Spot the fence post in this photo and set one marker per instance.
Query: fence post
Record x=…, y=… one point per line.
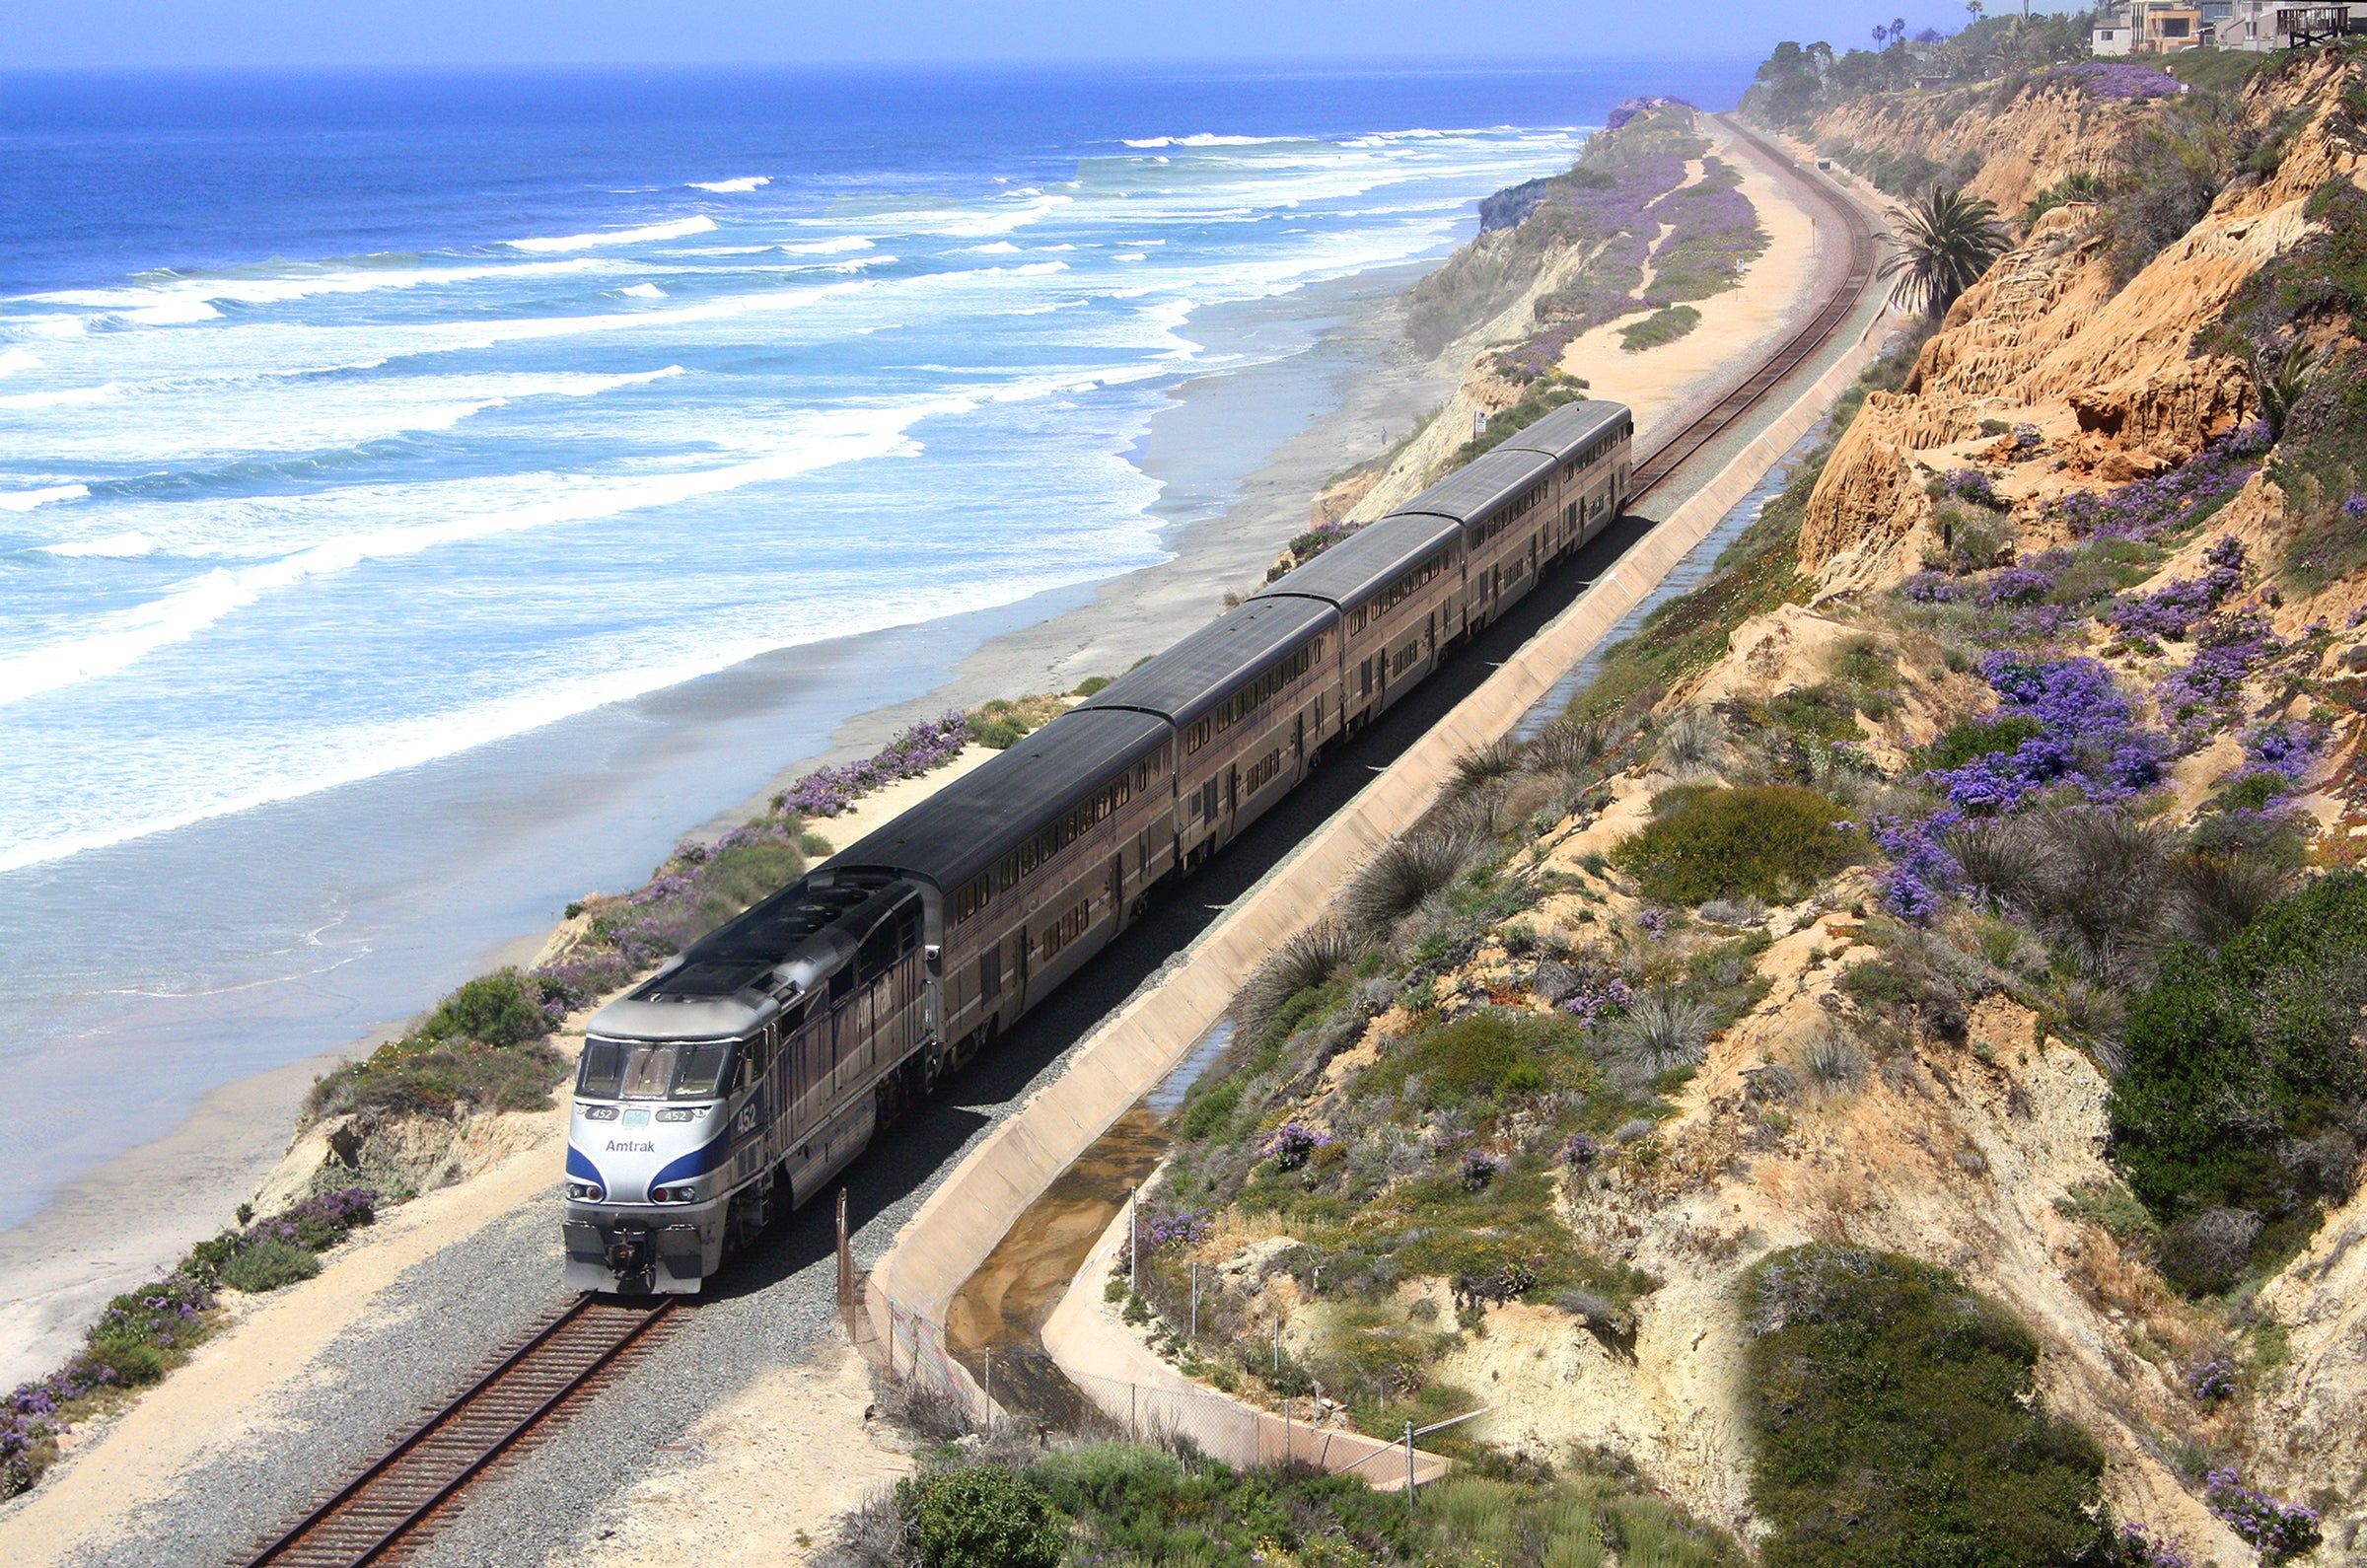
x=1409, y=1464
x=987, y=1392
x=1133, y=1237
x=1134, y=1412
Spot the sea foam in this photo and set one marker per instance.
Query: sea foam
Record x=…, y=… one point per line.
x=26, y=500
x=675, y=230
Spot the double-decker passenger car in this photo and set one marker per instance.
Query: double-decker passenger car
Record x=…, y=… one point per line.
x=745, y=1073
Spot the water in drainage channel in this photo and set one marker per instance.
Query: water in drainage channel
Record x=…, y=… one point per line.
x=1685, y=576
x=1001, y=1309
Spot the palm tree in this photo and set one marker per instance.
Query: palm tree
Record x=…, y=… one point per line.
x=1951, y=238
x=2279, y=383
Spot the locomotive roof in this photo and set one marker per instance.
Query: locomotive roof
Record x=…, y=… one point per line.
x=979, y=818
x=726, y=980
x=1365, y=562
x=1567, y=428
x=1474, y=489
x=1202, y=670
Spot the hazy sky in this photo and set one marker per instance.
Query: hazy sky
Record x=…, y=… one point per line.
x=268, y=33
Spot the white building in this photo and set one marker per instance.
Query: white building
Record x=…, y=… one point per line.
x=2160, y=27
x=2265, y=25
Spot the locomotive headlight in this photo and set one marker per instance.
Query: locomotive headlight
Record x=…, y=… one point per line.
x=585, y=1192
x=599, y=1113
x=680, y=1194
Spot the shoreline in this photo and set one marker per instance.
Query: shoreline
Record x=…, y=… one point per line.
x=139, y=1464
x=1221, y=540
x=1351, y=382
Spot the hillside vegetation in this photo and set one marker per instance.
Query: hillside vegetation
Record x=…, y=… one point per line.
x=1886, y=1064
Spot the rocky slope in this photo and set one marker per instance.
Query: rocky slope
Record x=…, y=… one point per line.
x=2063, y=637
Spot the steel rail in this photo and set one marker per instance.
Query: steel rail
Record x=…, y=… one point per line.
x=1672, y=454
x=377, y=1512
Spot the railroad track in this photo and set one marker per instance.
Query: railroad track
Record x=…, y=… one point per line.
x=1674, y=453
x=390, y=1507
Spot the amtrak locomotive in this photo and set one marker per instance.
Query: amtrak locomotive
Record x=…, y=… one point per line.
x=745, y=1073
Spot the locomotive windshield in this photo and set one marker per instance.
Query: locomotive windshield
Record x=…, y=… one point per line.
x=614, y=1070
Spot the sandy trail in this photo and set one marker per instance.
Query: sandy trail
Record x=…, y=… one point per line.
x=1734, y=325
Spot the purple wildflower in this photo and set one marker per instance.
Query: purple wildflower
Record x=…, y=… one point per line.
x=2276, y=1529
x=1477, y=1169
x=2017, y=585
x=1293, y=1144
x=1593, y=1004
x=1932, y=588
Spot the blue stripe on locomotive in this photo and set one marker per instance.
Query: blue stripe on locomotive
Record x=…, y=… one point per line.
x=580, y=1167
x=697, y=1163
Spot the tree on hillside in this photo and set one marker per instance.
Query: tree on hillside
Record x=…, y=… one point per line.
x=1950, y=241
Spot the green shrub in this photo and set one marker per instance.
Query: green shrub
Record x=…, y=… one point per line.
x=2113, y=1206
x=1211, y=1111
x=133, y=1364
x=985, y=1517
x=1478, y=1058
x=1897, y=1424
x=1818, y=712
x=1770, y=841
x=1090, y=686
x=1661, y=326
x=1968, y=738
x=2242, y=1069
x=268, y=1264
x=493, y=1009
x=415, y=1076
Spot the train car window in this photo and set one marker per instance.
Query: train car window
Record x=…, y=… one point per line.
x=702, y=1070
x=842, y=983
x=1010, y=870
x=878, y=951
x=648, y=1073
x=604, y=1065
x=755, y=1056
x=973, y=896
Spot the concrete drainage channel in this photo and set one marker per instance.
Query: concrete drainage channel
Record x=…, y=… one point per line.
x=1008, y=1253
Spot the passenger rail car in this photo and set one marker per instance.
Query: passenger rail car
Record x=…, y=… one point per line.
x=744, y=1075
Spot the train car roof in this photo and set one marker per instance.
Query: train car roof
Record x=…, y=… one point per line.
x=1474, y=489
x=983, y=815
x=1199, y=671
x=1567, y=428
x=1366, y=561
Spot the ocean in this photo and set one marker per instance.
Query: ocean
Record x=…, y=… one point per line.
x=358, y=431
